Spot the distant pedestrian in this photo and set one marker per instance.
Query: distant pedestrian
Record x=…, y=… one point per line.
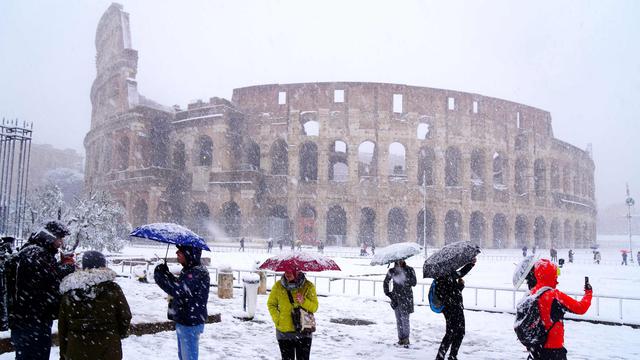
x=33, y=283
x=404, y=278
x=299, y=244
x=624, y=258
x=363, y=250
x=94, y=313
x=292, y=291
x=598, y=257
x=242, y=244
x=280, y=243
x=524, y=251
x=321, y=247
x=570, y=256
x=533, y=249
x=189, y=294
x=638, y=257
x=269, y=245
x=449, y=291
x=373, y=248
x=554, y=254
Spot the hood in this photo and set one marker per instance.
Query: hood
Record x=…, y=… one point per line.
x=192, y=254
x=85, y=279
x=546, y=273
x=298, y=282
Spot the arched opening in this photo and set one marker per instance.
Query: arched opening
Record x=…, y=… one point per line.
x=307, y=224
x=477, y=228
x=179, y=156
x=140, y=213
x=310, y=125
x=428, y=230
x=279, y=158
x=122, y=148
x=522, y=231
x=521, y=142
x=142, y=153
x=397, y=160
x=278, y=225
x=500, y=232
x=554, y=233
x=367, y=159
x=555, y=175
x=309, y=162
x=231, y=219
x=201, y=216
x=577, y=232
x=540, y=177
x=477, y=167
x=568, y=234
x=251, y=159
x=397, y=226
x=521, y=184
x=540, y=232
x=452, y=227
x=452, y=167
x=426, y=159
x=422, y=132
x=336, y=226
x=338, y=162
x=204, y=148
x=366, y=232
x=498, y=172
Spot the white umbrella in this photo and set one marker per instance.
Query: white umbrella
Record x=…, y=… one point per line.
x=522, y=269
x=395, y=252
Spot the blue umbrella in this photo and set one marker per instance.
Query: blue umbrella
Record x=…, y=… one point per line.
x=170, y=233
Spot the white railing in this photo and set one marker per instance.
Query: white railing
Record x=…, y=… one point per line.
x=604, y=308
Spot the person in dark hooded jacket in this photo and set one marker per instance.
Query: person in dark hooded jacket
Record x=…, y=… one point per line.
x=552, y=305
x=94, y=313
x=33, y=282
x=189, y=294
x=449, y=291
x=404, y=278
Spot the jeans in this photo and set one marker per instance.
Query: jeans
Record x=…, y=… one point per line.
x=299, y=349
x=188, y=337
x=454, y=333
x=402, y=323
x=32, y=343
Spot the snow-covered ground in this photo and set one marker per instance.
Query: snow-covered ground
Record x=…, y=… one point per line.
x=488, y=335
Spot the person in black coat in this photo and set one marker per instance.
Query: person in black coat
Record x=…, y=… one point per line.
x=189, y=295
x=33, y=281
x=449, y=291
x=404, y=278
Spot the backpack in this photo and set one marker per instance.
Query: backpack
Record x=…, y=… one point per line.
x=435, y=303
x=528, y=325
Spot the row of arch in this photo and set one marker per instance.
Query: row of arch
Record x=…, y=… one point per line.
x=488, y=232
x=546, y=174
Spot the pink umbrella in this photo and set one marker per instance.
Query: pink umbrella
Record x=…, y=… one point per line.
x=299, y=261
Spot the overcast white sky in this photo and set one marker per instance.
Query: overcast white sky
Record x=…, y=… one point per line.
x=580, y=60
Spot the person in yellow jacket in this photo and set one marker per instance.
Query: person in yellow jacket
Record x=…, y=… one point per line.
x=293, y=345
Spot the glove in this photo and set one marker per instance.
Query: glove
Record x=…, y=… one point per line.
x=67, y=259
x=587, y=287
x=162, y=268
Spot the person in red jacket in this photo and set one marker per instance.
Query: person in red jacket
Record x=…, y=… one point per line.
x=552, y=305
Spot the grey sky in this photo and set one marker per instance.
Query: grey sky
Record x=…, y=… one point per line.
x=580, y=60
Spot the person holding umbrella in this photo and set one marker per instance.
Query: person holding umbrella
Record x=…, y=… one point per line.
x=404, y=278
x=293, y=290
x=448, y=266
x=189, y=292
x=292, y=295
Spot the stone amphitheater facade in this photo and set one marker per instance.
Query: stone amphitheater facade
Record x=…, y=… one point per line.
x=338, y=162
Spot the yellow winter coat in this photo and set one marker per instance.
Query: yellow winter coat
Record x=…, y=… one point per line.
x=280, y=306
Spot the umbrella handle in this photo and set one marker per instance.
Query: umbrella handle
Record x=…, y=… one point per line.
x=165, y=255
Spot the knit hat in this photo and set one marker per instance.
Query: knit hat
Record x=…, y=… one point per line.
x=93, y=260
x=57, y=228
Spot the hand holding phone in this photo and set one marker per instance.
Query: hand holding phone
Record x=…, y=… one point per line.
x=587, y=286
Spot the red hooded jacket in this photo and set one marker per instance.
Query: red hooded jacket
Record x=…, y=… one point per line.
x=546, y=274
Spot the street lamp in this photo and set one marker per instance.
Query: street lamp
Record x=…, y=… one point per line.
x=424, y=211
x=630, y=202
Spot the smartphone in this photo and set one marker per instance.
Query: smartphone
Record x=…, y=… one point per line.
x=586, y=280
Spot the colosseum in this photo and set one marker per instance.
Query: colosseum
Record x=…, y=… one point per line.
x=338, y=162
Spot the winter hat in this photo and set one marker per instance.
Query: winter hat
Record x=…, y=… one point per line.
x=93, y=260
x=57, y=228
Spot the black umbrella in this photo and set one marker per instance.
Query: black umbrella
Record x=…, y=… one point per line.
x=449, y=259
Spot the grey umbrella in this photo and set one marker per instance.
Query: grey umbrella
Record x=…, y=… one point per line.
x=449, y=259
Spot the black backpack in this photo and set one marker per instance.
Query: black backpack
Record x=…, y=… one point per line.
x=528, y=325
